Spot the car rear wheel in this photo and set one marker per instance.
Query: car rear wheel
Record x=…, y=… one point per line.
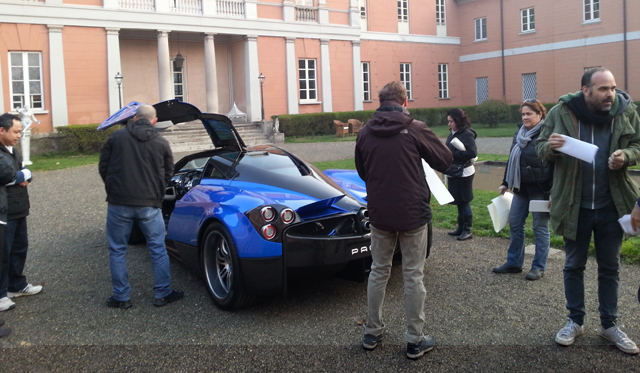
x=222, y=271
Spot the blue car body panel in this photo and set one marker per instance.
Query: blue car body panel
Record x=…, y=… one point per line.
x=349, y=180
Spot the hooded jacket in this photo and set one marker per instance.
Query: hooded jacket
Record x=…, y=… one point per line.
x=17, y=195
x=136, y=165
x=388, y=157
x=568, y=183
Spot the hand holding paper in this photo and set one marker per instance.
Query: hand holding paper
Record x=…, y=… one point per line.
x=579, y=149
x=458, y=144
x=438, y=190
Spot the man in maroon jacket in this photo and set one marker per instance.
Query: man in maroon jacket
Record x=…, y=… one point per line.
x=388, y=156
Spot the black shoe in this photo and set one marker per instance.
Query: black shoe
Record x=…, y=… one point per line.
x=466, y=235
x=417, y=350
x=370, y=341
x=5, y=332
x=113, y=303
x=467, y=223
x=175, y=295
x=505, y=268
x=534, y=274
x=458, y=231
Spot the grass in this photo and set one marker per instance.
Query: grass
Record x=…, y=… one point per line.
x=51, y=161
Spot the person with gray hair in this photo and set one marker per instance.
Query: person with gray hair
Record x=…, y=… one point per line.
x=136, y=165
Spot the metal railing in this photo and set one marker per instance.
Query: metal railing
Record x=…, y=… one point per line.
x=137, y=4
x=187, y=6
x=306, y=14
x=233, y=8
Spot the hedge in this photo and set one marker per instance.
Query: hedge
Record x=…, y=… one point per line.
x=315, y=124
x=84, y=138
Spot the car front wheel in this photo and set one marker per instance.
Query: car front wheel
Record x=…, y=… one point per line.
x=222, y=271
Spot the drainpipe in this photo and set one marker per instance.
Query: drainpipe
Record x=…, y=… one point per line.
x=504, y=83
x=624, y=27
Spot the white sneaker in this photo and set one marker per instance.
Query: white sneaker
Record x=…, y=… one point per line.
x=617, y=336
x=6, y=304
x=569, y=333
x=28, y=290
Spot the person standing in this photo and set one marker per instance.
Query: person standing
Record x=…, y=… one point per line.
x=136, y=164
x=530, y=179
x=388, y=157
x=461, y=172
x=588, y=197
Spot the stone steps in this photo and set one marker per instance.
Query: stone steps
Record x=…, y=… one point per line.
x=192, y=137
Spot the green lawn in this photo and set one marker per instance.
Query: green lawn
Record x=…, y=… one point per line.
x=49, y=162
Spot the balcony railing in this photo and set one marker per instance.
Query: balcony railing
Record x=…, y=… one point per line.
x=187, y=6
x=306, y=13
x=137, y=4
x=232, y=8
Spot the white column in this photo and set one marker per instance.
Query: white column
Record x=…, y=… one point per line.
x=357, y=76
x=323, y=12
x=252, y=85
x=209, y=7
x=163, y=6
x=110, y=4
x=292, y=76
x=164, y=70
x=113, y=68
x=354, y=13
x=2, y=91
x=288, y=11
x=210, y=76
x=327, y=104
x=251, y=9
x=59, y=113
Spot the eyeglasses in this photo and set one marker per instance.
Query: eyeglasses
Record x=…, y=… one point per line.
x=531, y=101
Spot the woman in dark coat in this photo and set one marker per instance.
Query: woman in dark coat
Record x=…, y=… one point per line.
x=461, y=171
x=530, y=178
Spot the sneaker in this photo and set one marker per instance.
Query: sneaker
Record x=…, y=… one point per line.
x=5, y=332
x=417, y=350
x=617, y=336
x=569, y=333
x=534, y=274
x=6, y=304
x=370, y=341
x=114, y=303
x=175, y=295
x=28, y=290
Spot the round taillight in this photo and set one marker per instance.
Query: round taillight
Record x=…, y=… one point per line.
x=287, y=216
x=269, y=231
x=268, y=213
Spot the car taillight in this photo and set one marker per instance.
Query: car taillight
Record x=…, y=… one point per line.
x=269, y=231
x=287, y=216
x=268, y=213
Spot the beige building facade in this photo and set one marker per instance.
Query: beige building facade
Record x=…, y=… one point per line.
x=61, y=57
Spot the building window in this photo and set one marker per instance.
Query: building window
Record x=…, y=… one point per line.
x=179, y=83
x=403, y=10
x=440, y=14
x=482, y=90
x=529, y=87
x=366, y=82
x=405, y=78
x=307, y=77
x=363, y=9
x=591, y=10
x=443, y=80
x=481, y=28
x=26, y=79
x=528, y=20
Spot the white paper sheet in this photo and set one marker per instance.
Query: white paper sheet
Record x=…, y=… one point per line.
x=625, y=223
x=579, y=149
x=538, y=205
x=499, y=211
x=458, y=144
x=436, y=185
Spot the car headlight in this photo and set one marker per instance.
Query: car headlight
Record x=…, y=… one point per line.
x=268, y=213
x=287, y=216
x=269, y=231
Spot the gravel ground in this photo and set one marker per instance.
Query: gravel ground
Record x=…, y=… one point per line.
x=481, y=321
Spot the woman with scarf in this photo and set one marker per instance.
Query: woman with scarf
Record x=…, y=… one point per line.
x=462, y=143
x=530, y=179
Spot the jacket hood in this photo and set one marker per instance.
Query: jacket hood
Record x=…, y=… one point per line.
x=389, y=120
x=142, y=130
x=577, y=104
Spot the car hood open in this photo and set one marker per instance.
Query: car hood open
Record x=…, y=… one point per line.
x=219, y=127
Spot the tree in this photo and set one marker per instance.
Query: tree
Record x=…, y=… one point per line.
x=493, y=112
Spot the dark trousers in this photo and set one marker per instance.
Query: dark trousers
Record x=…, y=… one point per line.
x=4, y=260
x=607, y=235
x=16, y=243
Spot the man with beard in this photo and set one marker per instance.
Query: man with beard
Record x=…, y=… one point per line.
x=589, y=197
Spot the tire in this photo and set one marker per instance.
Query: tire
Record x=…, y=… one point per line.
x=221, y=269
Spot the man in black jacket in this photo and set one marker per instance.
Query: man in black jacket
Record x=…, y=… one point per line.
x=388, y=157
x=136, y=164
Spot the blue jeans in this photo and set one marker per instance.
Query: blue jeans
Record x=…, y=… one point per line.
x=16, y=243
x=607, y=235
x=119, y=223
x=517, y=217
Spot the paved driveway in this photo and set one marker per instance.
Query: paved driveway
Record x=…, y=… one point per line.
x=481, y=321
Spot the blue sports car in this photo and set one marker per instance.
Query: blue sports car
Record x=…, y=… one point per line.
x=246, y=218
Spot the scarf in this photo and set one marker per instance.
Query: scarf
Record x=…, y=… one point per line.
x=523, y=137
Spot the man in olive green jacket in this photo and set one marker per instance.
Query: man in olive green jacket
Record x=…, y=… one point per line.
x=589, y=197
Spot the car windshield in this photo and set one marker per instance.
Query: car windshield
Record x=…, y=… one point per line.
x=195, y=164
x=262, y=160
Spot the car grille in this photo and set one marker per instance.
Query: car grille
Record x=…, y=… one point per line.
x=341, y=226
